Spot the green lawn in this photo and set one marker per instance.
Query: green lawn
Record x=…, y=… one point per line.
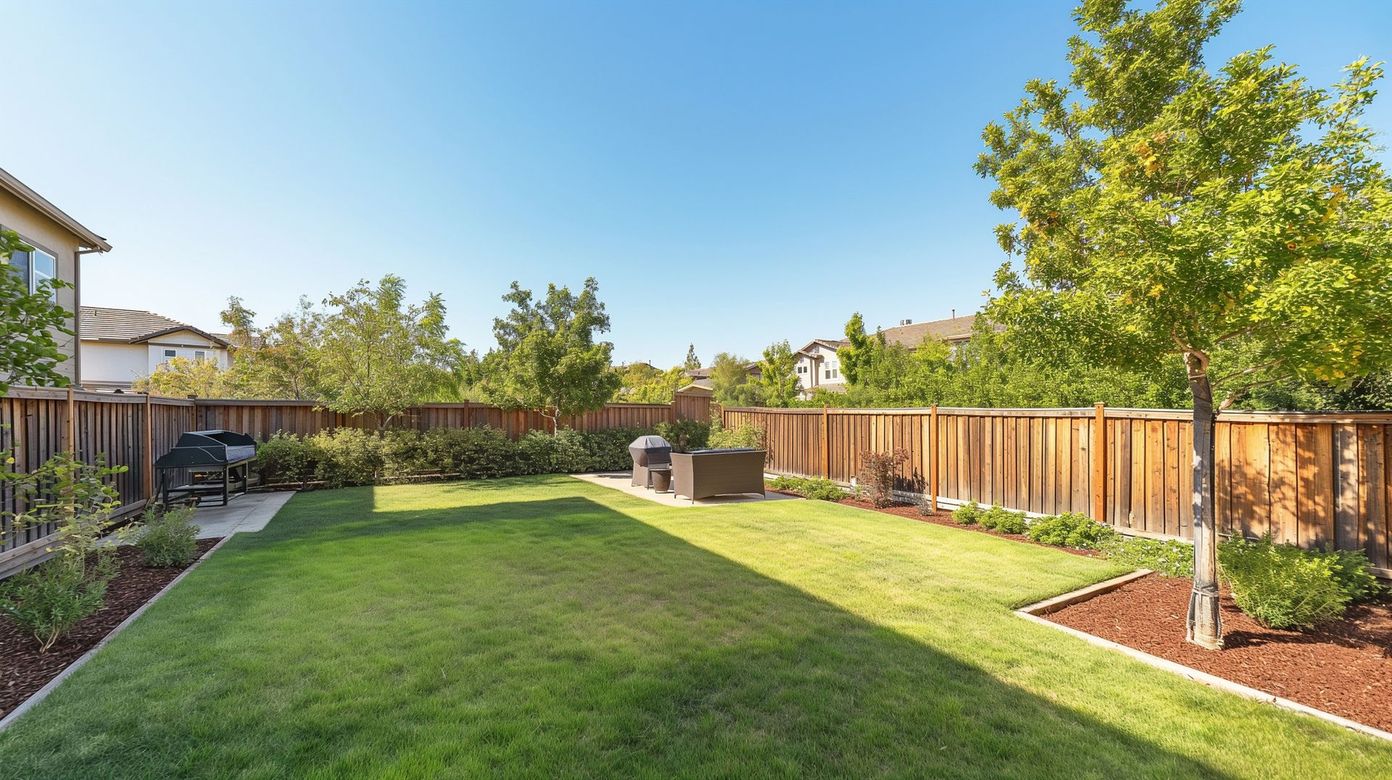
x=547, y=627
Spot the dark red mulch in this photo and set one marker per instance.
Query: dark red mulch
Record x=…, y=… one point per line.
x=1344, y=667
x=24, y=670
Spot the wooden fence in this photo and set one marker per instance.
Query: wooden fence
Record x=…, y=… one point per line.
x=132, y=430
x=1312, y=479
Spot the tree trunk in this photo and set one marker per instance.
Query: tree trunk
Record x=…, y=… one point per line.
x=1205, y=627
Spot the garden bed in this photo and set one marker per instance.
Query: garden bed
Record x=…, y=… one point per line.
x=1344, y=667
x=24, y=670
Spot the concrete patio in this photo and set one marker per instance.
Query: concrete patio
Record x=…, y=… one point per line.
x=245, y=514
x=619, y=480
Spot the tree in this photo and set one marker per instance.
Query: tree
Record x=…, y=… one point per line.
x=730, y=382
x=860, y=353
x=240, y=322
x=379, y=355
x=777, y=375
x=548, y=357
x=692, y=362
x=180, y=377
x=1166, y=213
x=282, y=359
x=641, y=383
x=29, y=353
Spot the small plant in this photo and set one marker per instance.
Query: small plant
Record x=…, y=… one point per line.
x=1354, y=576
x=49, y=599
x=1280, y=585
x=924, y=506
x=168, y=538
x=967, y=514
x=1168, y=558
x=877, y=473
x=998, y=518
x=1071, y=529
x=815, y=489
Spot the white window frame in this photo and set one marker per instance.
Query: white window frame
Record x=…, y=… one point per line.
x=200, y=355
x=31, y=272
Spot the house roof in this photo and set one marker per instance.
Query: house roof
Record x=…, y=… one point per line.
x=833, y=344
x=39, y=203
x=131, y=326
x=698, y=387
x=951, y=329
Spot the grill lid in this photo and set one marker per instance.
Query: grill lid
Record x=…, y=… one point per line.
x=209, y=448
x=650, y=450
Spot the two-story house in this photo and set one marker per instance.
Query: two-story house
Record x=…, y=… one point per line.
x=119, y=346
x=58, y=242
x=819, y=367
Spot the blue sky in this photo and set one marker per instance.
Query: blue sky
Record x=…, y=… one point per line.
x=732, y=173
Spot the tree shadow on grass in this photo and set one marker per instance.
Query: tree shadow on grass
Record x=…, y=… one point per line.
x=578, y=642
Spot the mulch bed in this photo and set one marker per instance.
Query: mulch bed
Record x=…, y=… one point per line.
x=24, y=670
x=1344, y=667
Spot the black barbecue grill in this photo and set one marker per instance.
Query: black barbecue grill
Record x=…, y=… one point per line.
x=218, y=463
x=652, y=461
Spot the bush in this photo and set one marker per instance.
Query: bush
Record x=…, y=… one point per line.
x=741, y=436
x=168, y=538
x=1169, y=558
x=347, y=456
x=1354, y=576
x=284, y=458
x=1071, y=529
x=815, y=489
x=49, y=599
x=1280, y=585
x=684, y=435
x=877, y=474
x=998, y=518
x=967, y=514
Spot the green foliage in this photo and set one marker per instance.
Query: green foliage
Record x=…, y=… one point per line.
x=1237, y=219
x=685, y=435
x=168, y=537
x=745, y=435
x=1071, y=529
x=1280, y=585
x=731, y=385
x=640, y=383
x=778, y=379
x=808, y=487
x=76, y=499
x=49, y=599
x=878, y=471
x=967, y=514
x=284, y=458
x=180, y=377
x=692, y=362
x=1353, y=574
x=29, y=353
x=1169, y=557
x=548, y=357
x=998, y=518
x=861, y=351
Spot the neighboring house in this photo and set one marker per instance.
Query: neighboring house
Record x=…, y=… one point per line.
x=819, y=367
x=119, y=346
x=956, y=331
x=59, y=243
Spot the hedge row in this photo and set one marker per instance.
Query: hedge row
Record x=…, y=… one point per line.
x=349, y=456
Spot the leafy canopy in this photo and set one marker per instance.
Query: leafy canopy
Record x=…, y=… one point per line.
x=548, y=357
x=731, y=384
x=1163, y=209
x=777, y=378
x=29, y=353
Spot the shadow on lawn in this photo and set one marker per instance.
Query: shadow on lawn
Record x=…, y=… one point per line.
x=580, y=642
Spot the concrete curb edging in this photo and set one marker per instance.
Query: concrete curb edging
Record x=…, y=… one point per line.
x=1033, y=612
x=42, y=693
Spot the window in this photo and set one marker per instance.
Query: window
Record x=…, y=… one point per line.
x=36, y=268
x=169, y=353
x=199, y=354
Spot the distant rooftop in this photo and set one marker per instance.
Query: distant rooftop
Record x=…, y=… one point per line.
x=100, y=323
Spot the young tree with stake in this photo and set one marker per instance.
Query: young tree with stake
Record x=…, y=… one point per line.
x=1237, y=221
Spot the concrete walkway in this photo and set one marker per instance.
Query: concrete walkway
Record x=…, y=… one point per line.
x=619, y=480
x=244, y=514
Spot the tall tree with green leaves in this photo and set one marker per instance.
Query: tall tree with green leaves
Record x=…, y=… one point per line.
x=777, y=375
x=861, y=351
x=692, y=362
x=29, y=353
x=1164, y=212
x=379, y=355
x=549, y=356
x=731, y=384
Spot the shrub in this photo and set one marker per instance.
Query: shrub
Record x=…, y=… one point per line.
x=967, y=514
x=1071, y=529
x=472, y=453
x=347, y=456
x=168, y=538
x=815, y=489
x=998, y=518
x=1354, y=576
x=284, y=457
x=747, y=435
x=49, y=599
x=684, y=435
x=877, y=474
x=1169, y=558
x=1280, y=585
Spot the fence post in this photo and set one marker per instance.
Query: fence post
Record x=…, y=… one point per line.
x=933, y=457
x=1099, y=463
x=71, y=428
x=148, y=461
x=826, y=444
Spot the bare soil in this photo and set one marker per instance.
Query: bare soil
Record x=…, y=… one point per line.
x=24, y=670
x=1343, y=667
